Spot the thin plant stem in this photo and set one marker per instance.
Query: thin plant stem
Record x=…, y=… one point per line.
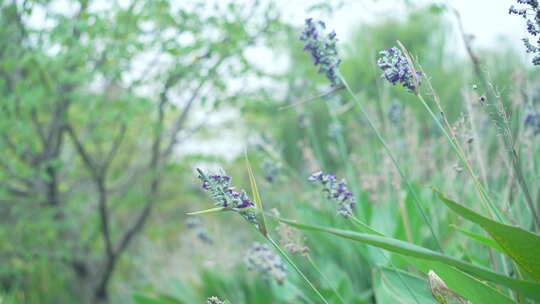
x=351, y=176
x=302, y=275
x=459, y=152
x=452, y=139
x=316, y=146
x=474, y=129
x=301, y=294
x=394, y=161
x=324, y=277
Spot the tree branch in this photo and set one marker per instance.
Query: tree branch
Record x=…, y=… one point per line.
x=98, y=176
x=114, y=148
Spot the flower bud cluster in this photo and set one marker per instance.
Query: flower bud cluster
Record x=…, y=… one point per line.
x=195, y=224
x=323, y=48
x=271, y=169
x=532, y=121
x=396, y=68
x=214, y=300
x=530, y=11
x=220, y=189
x=336, y=191
x=261, y=259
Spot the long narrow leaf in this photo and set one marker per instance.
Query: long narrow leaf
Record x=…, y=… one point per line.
x=256, y=198
x=479, y=238
x=389, y=287
x=527, y=288
x=212, y=210
x=464, y=284
x=521, y=245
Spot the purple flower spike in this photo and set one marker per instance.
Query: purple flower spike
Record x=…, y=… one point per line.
x=223, y=193
x=261, y=259
x=323, y=49
x=396, y=69
x=530, y=11
x=532, y=120
x=336, y=191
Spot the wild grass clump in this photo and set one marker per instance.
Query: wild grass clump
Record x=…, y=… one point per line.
x=389, y=232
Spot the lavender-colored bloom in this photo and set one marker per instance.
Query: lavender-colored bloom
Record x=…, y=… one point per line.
x=334, y=129
x=530, y=11
x=195, y=224
x=323, y=49
x=271, y=169
x=336, y=191
x=214, y=300
x=220, y=189
x=396, y=69
x=261, y=259
x=532, y=120
x=395, y=113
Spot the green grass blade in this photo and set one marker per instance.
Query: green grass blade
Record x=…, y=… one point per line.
x=256, y=198
x=527, y=288
x=521, y=245
x=395, y=162
x=462, y=283
x=479, y=238
x=297, y=269
x=325, y=278
x=212, y=210
x=466, y=285
x=388, y=287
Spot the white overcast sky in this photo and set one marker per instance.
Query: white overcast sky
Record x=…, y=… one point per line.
x=487, y=20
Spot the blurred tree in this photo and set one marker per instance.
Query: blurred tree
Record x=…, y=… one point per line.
x=94, y=97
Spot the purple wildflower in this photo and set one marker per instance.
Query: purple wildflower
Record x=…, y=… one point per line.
x=261, y=259
x=336, y=191
x=395, y=113
x=530, y=11
x=532, y=120
x=271, y=169
x=223, y=193
x=323, y=49
x=396, y=69
x=195, y=224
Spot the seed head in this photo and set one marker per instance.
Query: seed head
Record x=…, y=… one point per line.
x=261, y=259
x=290, y=238
x=396, y=69
x=323, y=49
x=336, y=191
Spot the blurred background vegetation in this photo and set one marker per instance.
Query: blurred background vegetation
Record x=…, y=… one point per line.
x=107, y=108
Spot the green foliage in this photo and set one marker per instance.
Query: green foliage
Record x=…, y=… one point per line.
x=528, y=288
x=389, y=287
x=521, y=245
x=95, y=100
x=101, y=102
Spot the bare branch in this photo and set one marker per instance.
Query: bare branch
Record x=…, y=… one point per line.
x=14, y=190
x=114, y=148
x=89, y=163
x=99, y=179
x=468, y=47
x=37, y=125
